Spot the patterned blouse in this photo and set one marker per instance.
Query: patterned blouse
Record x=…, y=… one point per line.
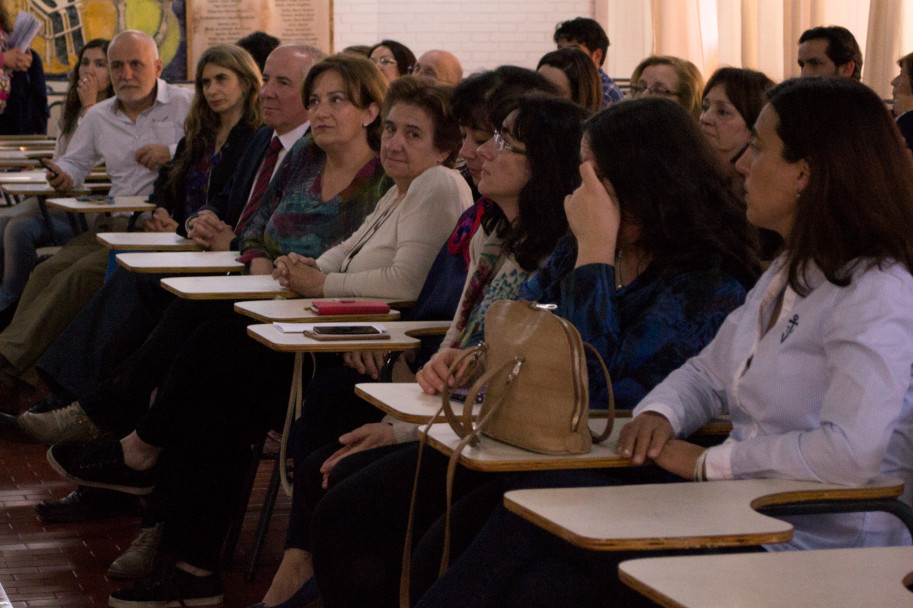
x=196, y=187
x=646, y=329
x=292, y=217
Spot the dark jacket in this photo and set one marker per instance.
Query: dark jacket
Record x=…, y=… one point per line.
x=232, y=152
x=27, y=107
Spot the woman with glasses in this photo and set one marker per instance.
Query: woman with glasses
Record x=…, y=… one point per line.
x=335, y=425
x=394, y=59
x=814, y=368
x=637, y=325
x=670, y=78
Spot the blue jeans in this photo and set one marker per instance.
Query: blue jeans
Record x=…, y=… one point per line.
x=24, y=231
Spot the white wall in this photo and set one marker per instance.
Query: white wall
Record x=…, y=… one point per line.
x=482, y=33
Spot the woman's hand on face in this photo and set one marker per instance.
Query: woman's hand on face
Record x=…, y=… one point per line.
x=433, y=375
x=680, y=457
x=87, y=90
x=594, y=216
x=370, y=363
x=644, y=437
x=363, y=438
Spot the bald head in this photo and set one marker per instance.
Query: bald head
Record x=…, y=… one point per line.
x=134, y=65
x=439, y=67
x=135, y=37
x=283, y=73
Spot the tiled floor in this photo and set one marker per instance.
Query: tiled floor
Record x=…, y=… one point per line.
x=45, y=564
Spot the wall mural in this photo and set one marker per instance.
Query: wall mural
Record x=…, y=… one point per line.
x=69, y=24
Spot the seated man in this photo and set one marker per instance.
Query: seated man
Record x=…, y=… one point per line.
x=134, y=132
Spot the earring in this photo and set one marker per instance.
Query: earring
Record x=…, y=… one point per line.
x=365, y=125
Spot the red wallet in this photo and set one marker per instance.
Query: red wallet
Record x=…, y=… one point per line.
x=349, y=307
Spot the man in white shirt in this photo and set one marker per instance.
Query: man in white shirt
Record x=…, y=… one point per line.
x=134, y=132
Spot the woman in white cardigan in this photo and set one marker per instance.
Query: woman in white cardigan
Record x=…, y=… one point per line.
x=391, y=252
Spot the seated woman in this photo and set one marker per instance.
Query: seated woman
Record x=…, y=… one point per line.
x=733, y=98
x=902, y=96
x=828, y=334
x=392, y=58
x=223, y=114
x=572, y=71
x=670, y=78
x=209, y=409
x=651, y=272
x=22, y=227
x=330, y=408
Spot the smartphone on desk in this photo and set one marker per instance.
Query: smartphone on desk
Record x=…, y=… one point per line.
x=346, y=332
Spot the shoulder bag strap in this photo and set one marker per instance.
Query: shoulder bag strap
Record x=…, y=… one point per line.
x=610, y=419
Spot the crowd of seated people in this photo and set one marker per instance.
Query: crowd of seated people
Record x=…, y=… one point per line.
x=725, y=245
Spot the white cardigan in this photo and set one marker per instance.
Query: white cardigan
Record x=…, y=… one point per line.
x=393, y=261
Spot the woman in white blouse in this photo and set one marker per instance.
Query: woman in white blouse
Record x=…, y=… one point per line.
x=815, y=367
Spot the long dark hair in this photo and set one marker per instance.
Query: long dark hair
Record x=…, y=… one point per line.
x=550, y=129
x=670, y=184
x=472, y=98
x=858, y=203
x=71, y=104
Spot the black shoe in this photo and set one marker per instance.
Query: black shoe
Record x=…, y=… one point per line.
x=87, y=504
x=170, y=587
x=100, y=464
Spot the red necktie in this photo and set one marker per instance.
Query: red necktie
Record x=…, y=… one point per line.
x=263, y=177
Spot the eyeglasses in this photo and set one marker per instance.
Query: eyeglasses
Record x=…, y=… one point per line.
x=504, y=145
x=384, y=61
x=658, y=91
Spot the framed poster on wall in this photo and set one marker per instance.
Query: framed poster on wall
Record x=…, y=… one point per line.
x=212, y=22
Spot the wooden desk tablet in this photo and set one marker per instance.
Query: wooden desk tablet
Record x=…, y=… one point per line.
x=676, y=515
x=146, y=241
x=403, y=336
x=241, y=287
x=298, y=310
x=181, y=262
x=118, y=203
x=491, y=455
x=44, y=189
x=22, y=177
x=402, y=400
x=806, y=579
x=406, y=401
